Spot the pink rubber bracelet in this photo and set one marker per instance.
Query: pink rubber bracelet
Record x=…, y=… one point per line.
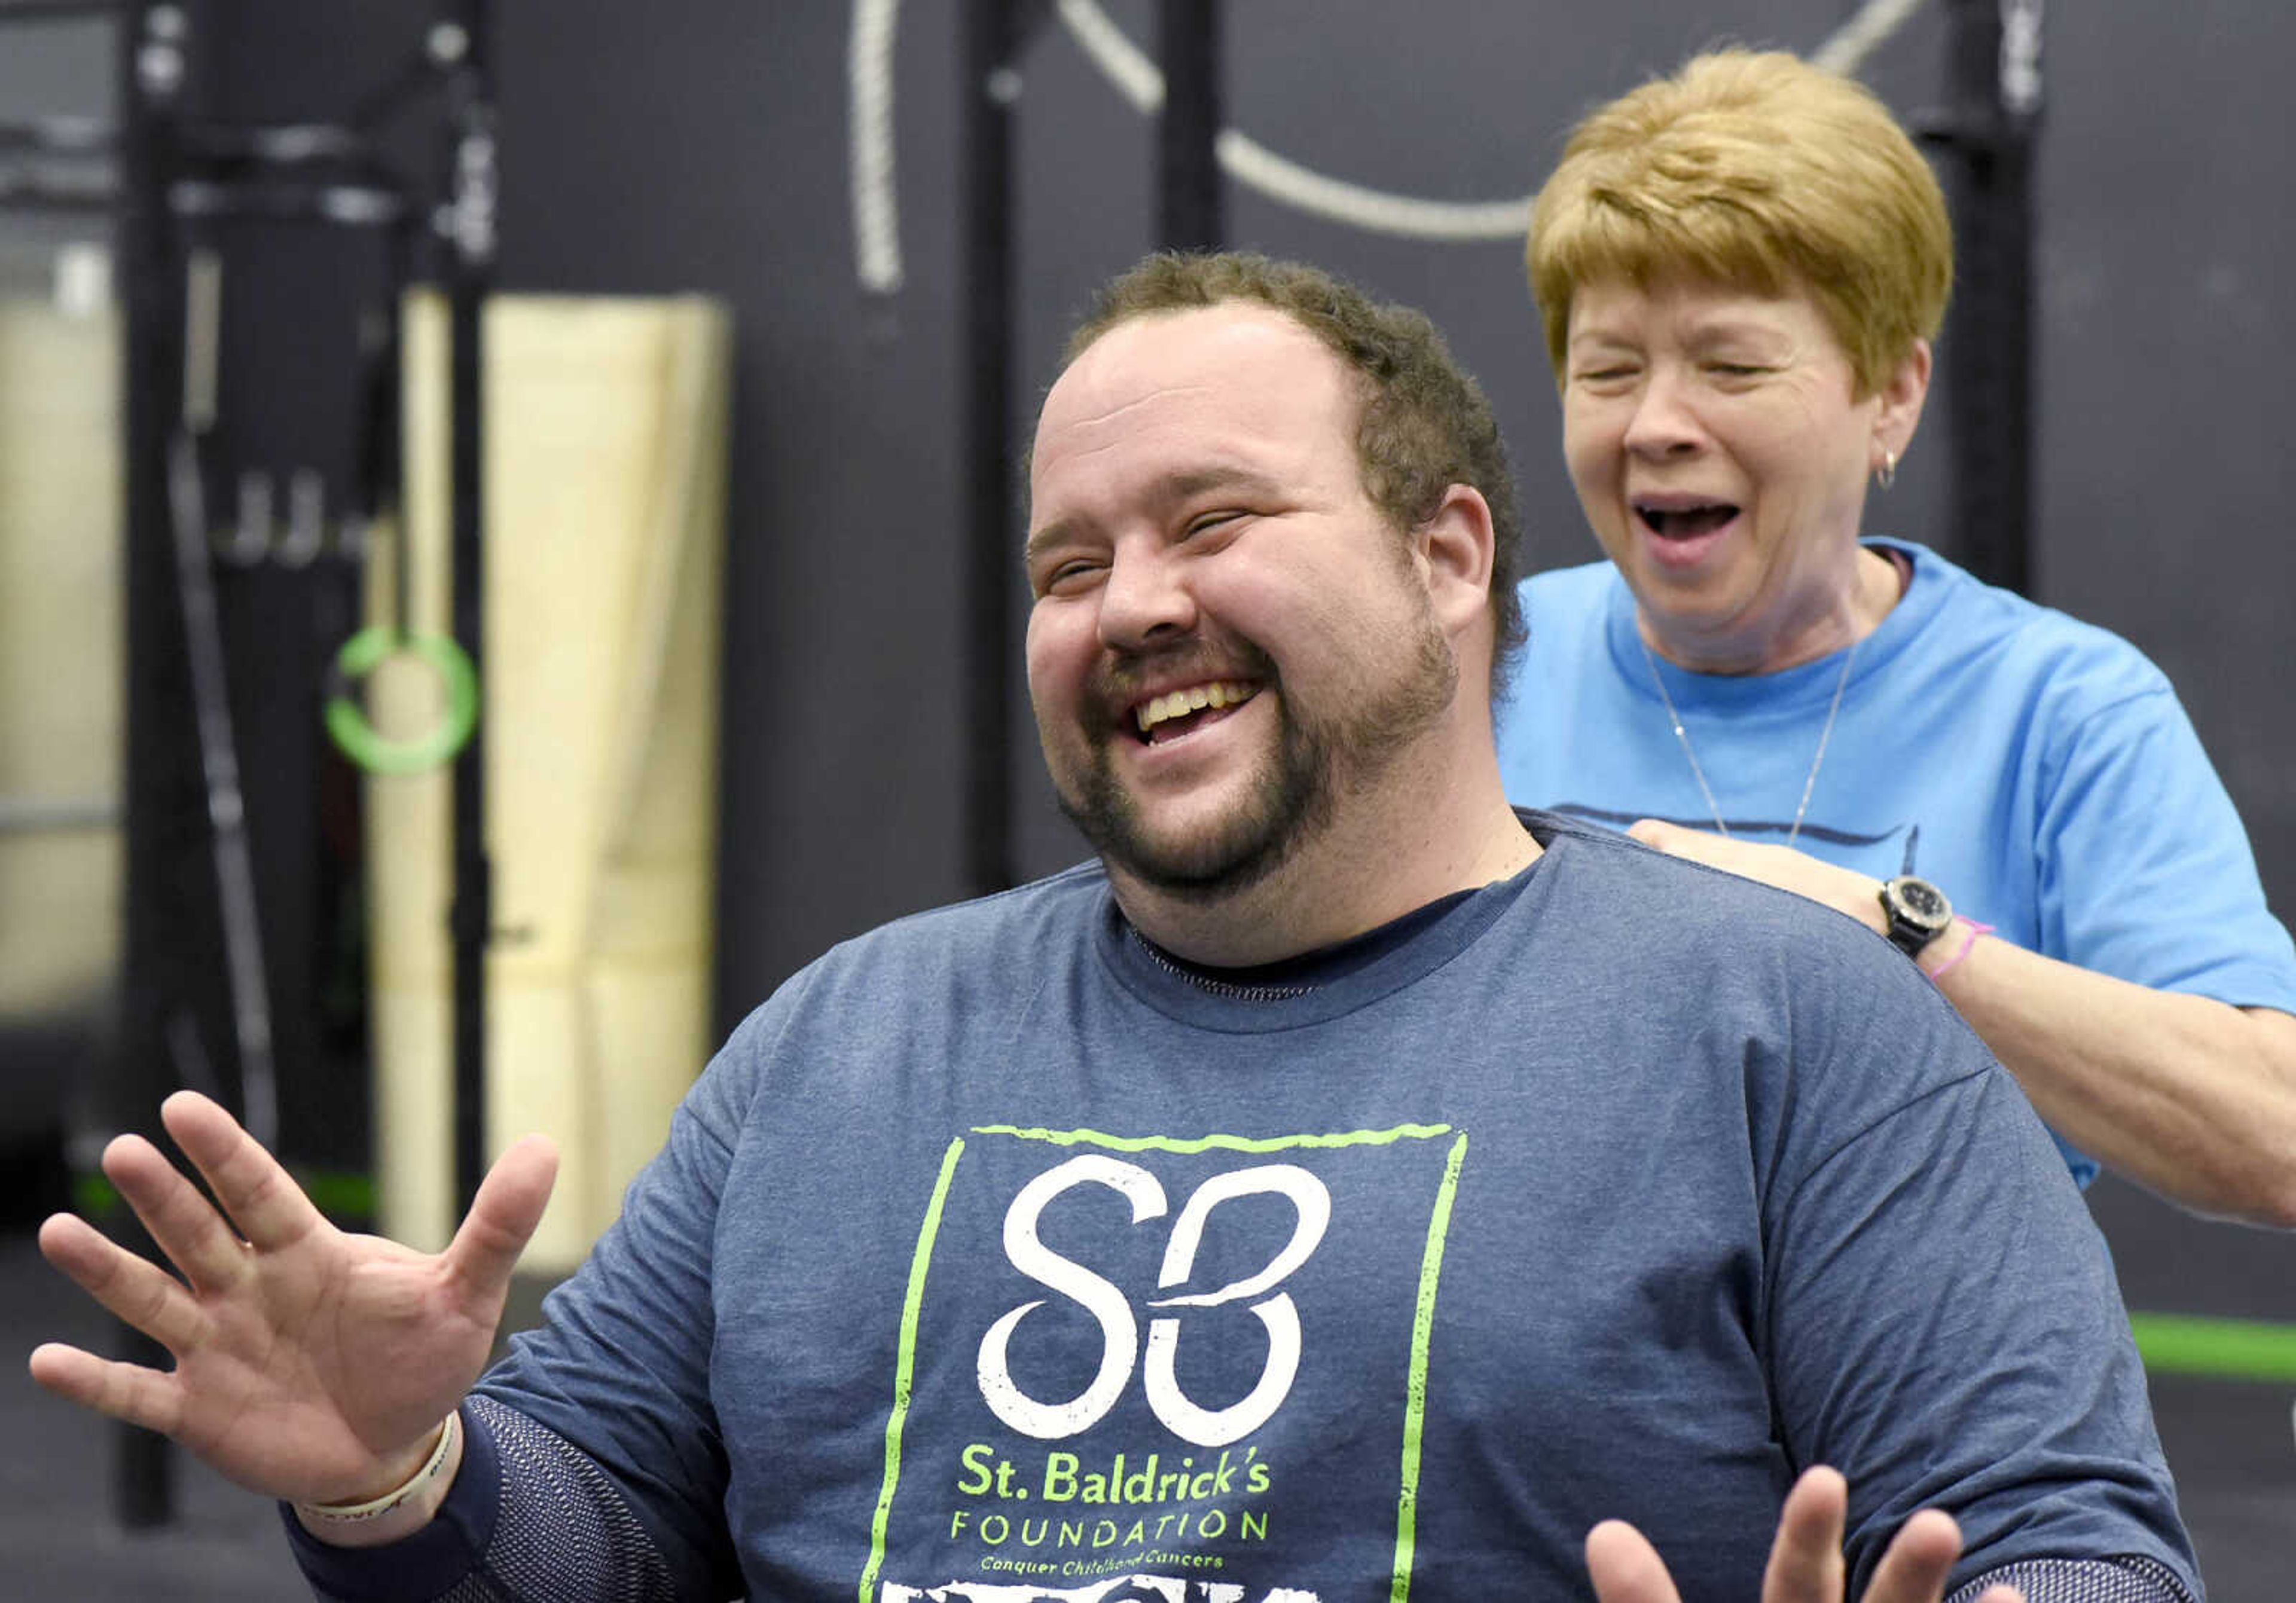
x=1967, y=941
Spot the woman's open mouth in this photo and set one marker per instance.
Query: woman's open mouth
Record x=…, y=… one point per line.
x=1684, y=522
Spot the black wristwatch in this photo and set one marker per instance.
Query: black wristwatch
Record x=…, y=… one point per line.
x=1917, y=912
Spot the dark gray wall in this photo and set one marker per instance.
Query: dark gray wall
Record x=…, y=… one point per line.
x=686, y=145
x=692, y=144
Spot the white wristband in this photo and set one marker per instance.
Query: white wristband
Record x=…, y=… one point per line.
x=340, y=1514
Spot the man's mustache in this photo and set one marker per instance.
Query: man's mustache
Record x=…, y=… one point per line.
x=1123, y=677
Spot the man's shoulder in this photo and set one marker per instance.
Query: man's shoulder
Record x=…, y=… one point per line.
x=1058, y=908
x=1711, y=928
x=1741, y=989
x=971, y=951
x=1615, y=866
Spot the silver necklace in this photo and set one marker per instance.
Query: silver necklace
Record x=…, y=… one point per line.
x=1699, y=774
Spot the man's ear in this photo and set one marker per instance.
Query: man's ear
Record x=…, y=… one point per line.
x=1454, y=548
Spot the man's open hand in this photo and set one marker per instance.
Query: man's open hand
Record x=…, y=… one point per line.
x=310, y=1365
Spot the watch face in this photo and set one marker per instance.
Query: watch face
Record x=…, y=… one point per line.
x=1921, y=900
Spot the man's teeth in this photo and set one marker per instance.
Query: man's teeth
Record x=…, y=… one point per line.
x=1196, y=698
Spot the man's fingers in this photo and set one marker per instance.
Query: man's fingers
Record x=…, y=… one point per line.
x=139, y=1293
x=184, y=1224
x=1624, y=1566
x=124, y=1391
x=1919, y=1559
x=1806, y=1564
x=1805, y=1559
x=503, y=1215
x=262, y=1199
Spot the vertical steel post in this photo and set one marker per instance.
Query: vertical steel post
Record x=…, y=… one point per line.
x=151, y=48
x=1190, y=216
x=1993, y=61
x=461, y=44
x=992, y=87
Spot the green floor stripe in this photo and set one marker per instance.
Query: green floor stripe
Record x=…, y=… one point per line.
x=2236, y=1349
x=93, y=1197
x=338, y=1194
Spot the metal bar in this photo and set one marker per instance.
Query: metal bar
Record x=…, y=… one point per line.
x=38, y=814
x=235, y=862
x=20, y=193
x=1993, y=62
x=64, y=137
x=149, y=73
x=461, y=44
x=991, y=89
x=347, y=205
x=375, y=487
x=413, y=76
x=1190, y=214
x=202, y=339
x=275, y=145
x=61, y=11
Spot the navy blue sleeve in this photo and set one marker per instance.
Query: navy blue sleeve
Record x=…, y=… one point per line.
x=1946, y=1327
x=621, y=1365
x=530, y=1519
x=2083, y=1581
x=432, y=1561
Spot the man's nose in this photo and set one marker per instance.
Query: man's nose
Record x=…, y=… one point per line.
x=1146, y=600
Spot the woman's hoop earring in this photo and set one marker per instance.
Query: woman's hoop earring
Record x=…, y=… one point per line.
x=1886, y=474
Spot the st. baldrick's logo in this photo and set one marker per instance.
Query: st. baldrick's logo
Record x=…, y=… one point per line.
x=1121, y=1354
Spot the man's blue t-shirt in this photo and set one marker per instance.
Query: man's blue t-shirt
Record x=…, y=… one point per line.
x=2040, y=770
x=1001, y=1256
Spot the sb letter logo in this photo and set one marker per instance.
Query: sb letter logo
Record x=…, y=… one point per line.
x=1120, y=1328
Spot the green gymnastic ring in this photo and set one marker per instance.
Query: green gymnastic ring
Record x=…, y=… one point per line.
x=347, y=724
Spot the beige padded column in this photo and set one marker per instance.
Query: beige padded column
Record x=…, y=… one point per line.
x=61, y=655
x=605, y=442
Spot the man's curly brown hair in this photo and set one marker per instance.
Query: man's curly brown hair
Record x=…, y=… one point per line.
x=1425, y=424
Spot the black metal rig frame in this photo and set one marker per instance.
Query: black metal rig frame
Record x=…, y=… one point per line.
x=1989, y=126
x=172, y=172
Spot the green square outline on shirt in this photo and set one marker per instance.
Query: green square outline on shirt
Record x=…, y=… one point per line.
x=1430, y=1266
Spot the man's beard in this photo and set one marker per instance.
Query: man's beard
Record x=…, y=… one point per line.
x=1318, y=760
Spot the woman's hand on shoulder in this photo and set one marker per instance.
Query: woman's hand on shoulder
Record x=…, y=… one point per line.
x=1845, y=890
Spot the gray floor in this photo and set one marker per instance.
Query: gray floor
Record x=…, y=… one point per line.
x=2231, y=1445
